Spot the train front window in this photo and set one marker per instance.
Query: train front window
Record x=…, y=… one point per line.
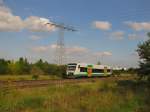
x=72, y=68
x=108, y=70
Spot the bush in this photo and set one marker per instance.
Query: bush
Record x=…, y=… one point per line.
x=35, y=77
x=116, y=73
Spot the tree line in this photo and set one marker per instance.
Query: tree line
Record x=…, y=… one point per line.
x=22, y=66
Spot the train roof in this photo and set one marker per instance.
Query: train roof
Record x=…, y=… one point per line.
x=92, y=65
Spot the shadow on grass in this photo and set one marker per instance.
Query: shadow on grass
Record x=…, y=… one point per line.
x=133, y=84
x=139, y=88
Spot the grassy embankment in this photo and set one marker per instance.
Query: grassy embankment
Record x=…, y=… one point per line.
x=123, y=96
x=42, y=77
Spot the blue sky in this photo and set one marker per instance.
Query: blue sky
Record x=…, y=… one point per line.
x=108, y=30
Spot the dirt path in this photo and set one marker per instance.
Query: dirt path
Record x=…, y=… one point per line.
x=43, y=83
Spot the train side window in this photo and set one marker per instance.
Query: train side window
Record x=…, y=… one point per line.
x=98, y=70
x=83, y=69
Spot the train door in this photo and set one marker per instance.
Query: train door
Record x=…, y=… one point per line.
x=89, y=71
x=105, y=70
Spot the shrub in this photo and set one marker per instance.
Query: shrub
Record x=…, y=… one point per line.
x=35, y=77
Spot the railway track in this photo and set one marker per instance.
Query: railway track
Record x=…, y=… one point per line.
x=43, y=83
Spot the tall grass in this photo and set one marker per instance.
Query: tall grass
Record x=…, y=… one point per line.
x=85, y=97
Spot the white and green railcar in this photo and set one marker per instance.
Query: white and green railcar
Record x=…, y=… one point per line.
x=89, y=70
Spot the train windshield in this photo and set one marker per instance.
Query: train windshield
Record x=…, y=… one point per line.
x=71, y=67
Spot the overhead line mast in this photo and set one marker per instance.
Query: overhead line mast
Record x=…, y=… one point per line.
x=60, y=57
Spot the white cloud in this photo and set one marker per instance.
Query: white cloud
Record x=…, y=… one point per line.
x=133, y=36
x=73, y=53
x=40, y=49
x=105, y=53
x=69, y=50
x=53, y=46
x=37, y=24
x=9, y=22
x=138, y=26
x=4, y=9
x=136, y=36
x=118, y=35
x=46, y=48
x=76, y=50
x=35, y=37
x=102, y=25
x=1, y=2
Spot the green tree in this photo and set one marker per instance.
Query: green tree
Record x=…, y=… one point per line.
x=3, y=66
x=144, y=54
x=51, y=69
x=39, y=65
x=12, y=67
x=22, y=66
